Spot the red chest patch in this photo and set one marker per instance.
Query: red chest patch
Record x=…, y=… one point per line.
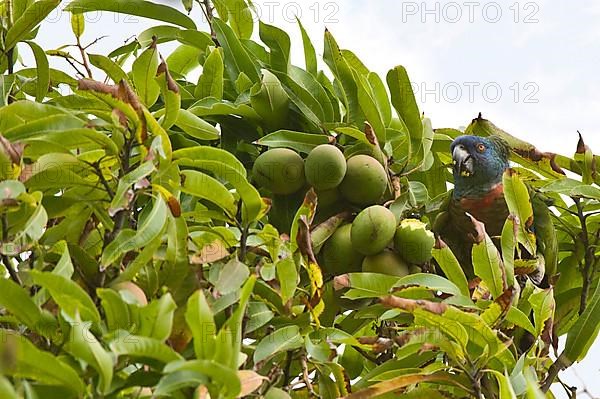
x=475, y=206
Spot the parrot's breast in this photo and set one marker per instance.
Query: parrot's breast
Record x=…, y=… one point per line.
x=490, y=209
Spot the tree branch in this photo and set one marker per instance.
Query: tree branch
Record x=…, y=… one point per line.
x=5, y=259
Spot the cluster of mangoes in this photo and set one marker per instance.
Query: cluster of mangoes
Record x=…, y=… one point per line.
x=374, y=241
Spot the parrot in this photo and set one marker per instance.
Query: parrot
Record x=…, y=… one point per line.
x=478, y=167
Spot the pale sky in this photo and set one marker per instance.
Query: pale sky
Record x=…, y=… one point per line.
x=530, y=67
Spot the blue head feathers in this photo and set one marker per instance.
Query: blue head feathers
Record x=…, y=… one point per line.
x=479, y=163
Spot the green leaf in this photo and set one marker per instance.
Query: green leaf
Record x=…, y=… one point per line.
x=77, y=24
x=140, y=261
x=343, y=73
x=301, y=142
x=29, y=362
x=232, y=276
x=429, y=281
x=271, y=101
x=140, y=8
x=184, y=59
x=583, y=333
x=116, y=311
x=6, y=389
x=542, y=302
x=251, y=199
x=236, y=58
x=120, y=200
x=310, y=110
x=111, y=68
x=283, y=339
x=206, y=187
x=208, y=107
x=195, y=126
x=223, y=379
x=199, y=318
x=143, y=347
x=69, y=296
x=235, y=323
x=370, y=285
x=276, y=393
x=210, y=83
x=508, y=241
x=453, y=329
x=17, y=301
x=178, y=380
x=25, y=23
x=43, y=70
x=518, y=318
x=143, y=72
x=315, y=90
x=403, y=100
x=156, y=318
x=192, y=37
x=7, y=83
x=287, y=274
x=380, y=96
x=310, y=55
x=129, y=240
x=178, y=265
x=488, y=266
x=64, y=267
x=451, y=267
x=279, y=44
x=369, y=107
x=259, y=314
x=84, y=346
x=506, y=390
x=239, y=17
x=572, y=188
x=519, y=204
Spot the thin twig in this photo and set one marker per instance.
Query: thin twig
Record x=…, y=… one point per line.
x=84, y=59
x=103, y=180
x=366, y=355
x=94, y=42
x=71, y=62
x=305, y=376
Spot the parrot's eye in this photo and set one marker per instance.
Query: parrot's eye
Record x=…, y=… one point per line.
x=480, y=147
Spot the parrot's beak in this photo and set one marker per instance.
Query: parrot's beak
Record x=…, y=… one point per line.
x=463, y=163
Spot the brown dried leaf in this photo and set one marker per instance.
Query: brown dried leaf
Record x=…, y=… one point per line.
x=92, y=85
x=250, y=381
x=395, y=384
x=378, y=344
x=410, y=305
x=370, y=134
x=340, y=282
x=14, y=151
x=439, y=243
x=210, y=253
x=581, y=146
x=174, y=206
x=479, y=229
x=171, y=84
x=303, y=239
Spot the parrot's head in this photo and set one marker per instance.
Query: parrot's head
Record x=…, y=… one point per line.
x=478, y=164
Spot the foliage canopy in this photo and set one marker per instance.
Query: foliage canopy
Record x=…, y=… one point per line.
x=142, y=260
